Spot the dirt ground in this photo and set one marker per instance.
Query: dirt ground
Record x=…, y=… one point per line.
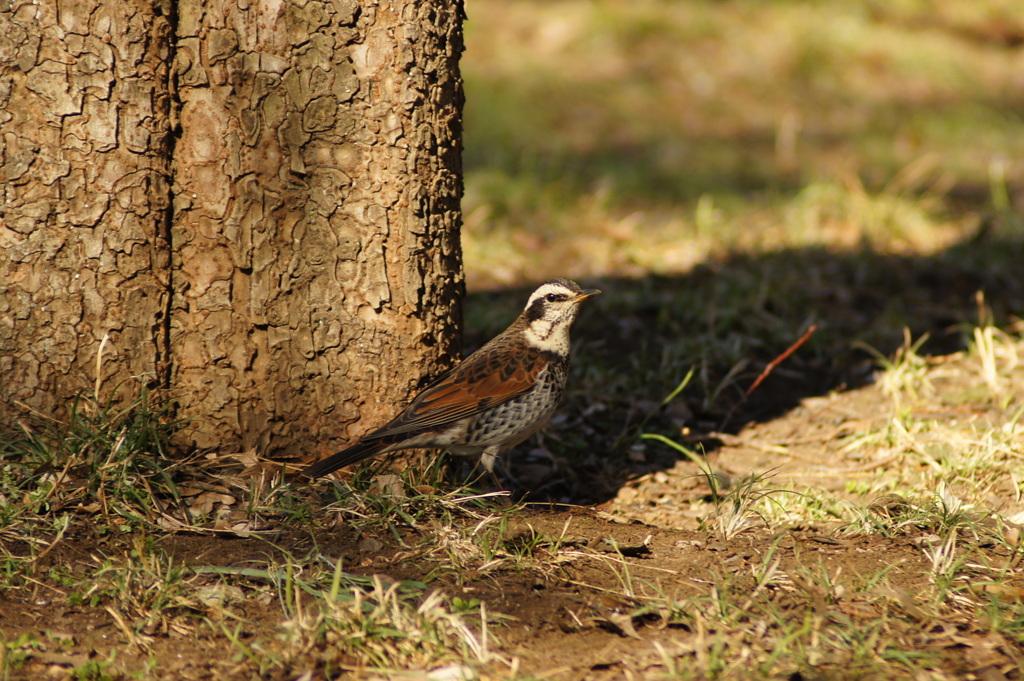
x=568, y=622
x=580, y=608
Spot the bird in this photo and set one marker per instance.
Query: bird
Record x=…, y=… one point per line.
x=494, y=399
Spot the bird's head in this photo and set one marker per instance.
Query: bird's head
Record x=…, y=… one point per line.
x=550, y=312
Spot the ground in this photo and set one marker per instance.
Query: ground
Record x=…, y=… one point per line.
x=823, y=195
x=661, y=581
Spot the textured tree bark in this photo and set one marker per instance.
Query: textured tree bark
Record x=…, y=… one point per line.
x=84, y=196
x=316, y=214
x=304, y=271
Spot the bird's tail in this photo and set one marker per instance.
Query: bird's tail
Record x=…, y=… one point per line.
x=357, y=452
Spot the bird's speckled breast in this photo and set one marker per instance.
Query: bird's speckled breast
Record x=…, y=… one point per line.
x=510, y=423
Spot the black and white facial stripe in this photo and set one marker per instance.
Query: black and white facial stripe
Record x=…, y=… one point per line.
x=550, y=313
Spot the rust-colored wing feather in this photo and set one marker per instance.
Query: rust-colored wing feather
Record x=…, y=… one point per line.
x=486, y=379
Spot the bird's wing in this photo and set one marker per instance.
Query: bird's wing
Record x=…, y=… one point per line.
x=482, y=381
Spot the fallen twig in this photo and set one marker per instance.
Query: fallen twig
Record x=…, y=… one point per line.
x=778, y=360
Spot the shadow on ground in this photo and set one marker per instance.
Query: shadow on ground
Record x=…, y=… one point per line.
x=727, y=322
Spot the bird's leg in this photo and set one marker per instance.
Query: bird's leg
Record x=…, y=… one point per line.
x=487, y=459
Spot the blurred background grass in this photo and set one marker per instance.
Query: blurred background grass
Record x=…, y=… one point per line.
x=646, y=136
x=733, y=171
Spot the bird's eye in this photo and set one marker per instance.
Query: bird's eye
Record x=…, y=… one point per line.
x=556, y=297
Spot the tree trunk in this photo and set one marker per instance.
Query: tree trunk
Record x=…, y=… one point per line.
x=84, y=176
x=311, y=269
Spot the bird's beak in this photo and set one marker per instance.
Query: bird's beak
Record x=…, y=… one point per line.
x=587, y=293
